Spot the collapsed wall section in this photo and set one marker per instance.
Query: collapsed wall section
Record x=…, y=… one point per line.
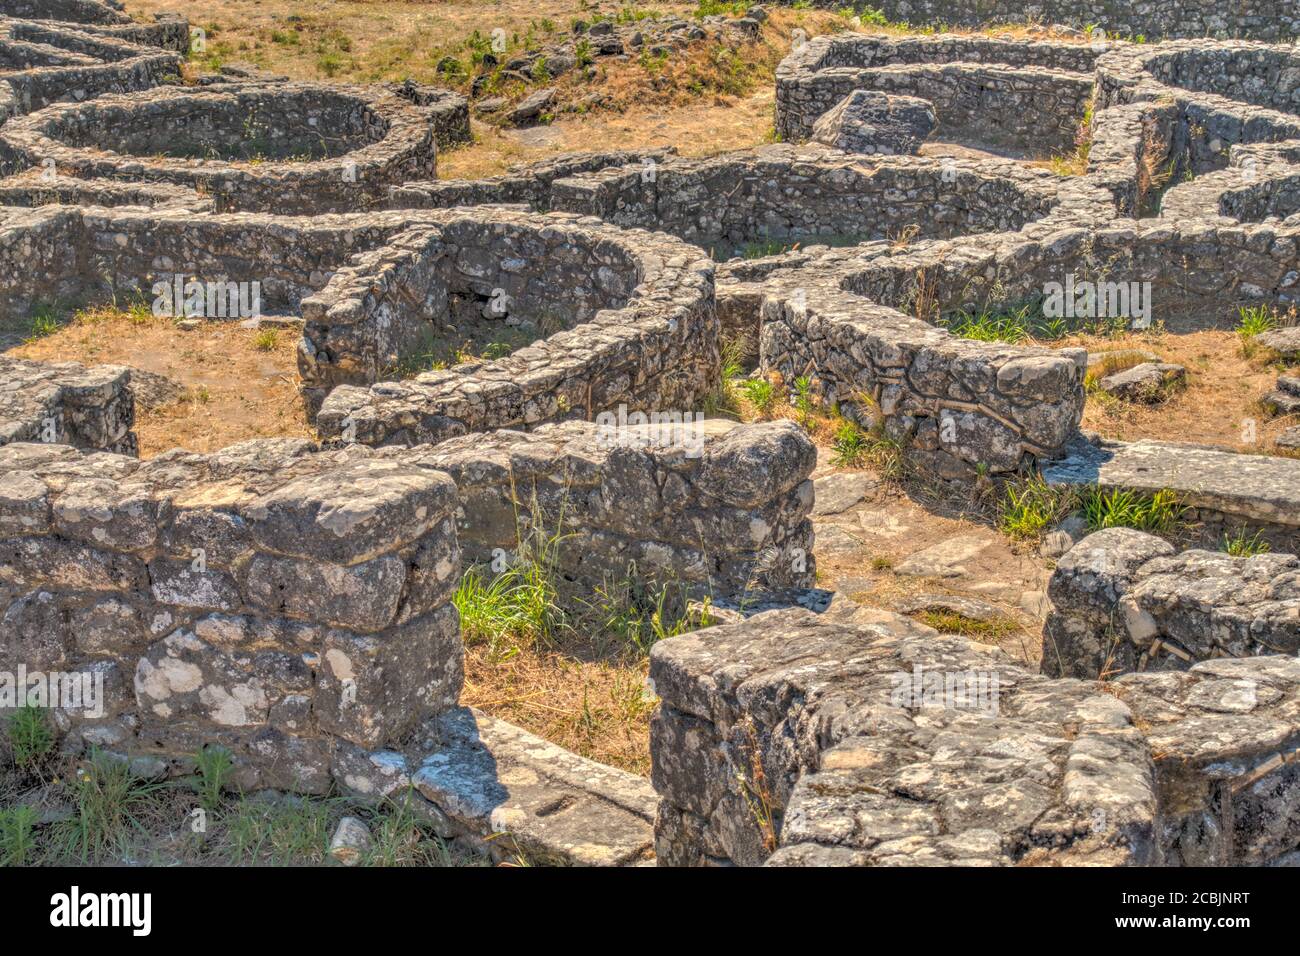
x=1123, y=600
x=67, y=403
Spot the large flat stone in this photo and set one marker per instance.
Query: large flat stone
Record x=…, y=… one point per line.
x=1261, y=488
x=527, y=796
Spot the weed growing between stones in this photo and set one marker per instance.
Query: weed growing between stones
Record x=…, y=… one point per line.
x=1160, y=513
x=1030, y=507
x=1241, y=544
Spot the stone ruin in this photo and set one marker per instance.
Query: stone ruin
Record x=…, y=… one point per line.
x=290, y=600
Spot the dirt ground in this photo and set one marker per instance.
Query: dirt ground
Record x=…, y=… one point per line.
x=1219, y=406
x=238, y=383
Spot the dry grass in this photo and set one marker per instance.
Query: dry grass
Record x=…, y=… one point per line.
x=598, y=708
x=240, y=383
x=1222, y=393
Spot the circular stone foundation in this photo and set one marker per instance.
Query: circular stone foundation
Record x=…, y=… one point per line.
x=290, y=147
x=766, y=201
x=500, y=319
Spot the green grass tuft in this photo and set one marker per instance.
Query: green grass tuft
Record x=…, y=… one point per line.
x=1242, y=545
x=1030, y=506
x=31, y=738
x=1160, y=513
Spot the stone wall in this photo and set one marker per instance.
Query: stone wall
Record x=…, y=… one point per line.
x=87, y=254
x=1159, y=19
x=1124, y=601
x=1027, y=94
x=67, y=403
x=267, y=598
x=287, y=147
x=502, y=270
x=810, y=194
x=798, y=741
x=529, y=184
x=73, y=11
x=953, y=403
x=716, y=508
x=652, y=344
x=73, y=65
x=448, y=112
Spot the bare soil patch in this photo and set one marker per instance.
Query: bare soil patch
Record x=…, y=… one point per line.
x=240, y=383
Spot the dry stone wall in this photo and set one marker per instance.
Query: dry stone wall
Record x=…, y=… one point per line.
x=287, y=147
x=68, y=404
x=268, y=598
x=796, y=741
x=1127, y=601
x=1025, y=93
x=44, y=63
x=715, y=509
x=1159, y=19
x=642, y=329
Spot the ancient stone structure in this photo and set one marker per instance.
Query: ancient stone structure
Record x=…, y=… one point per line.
x=674, y=503
x=1222, y=491
x=1160, y=19
x=284, y=146
x=65, y=403
x=613, y=317
x=268, y=598
x=1124, y=600
x=42, y=63
x=800, y=741
x=292, y=602
x=1014, y=92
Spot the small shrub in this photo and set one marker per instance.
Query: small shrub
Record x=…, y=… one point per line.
x=17, y=835
x=640, y=617
x=851, y=445
x=1255, y=320
x=802, y=399
x=265, y=340
x=760, y=393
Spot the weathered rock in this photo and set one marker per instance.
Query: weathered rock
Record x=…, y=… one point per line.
x=1285, y=341
x=1124, y=600
x=531, y=107
x=870, y=122
x=1149, y=382
x=522, y=797
x=351, y=841
x=947, y=559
